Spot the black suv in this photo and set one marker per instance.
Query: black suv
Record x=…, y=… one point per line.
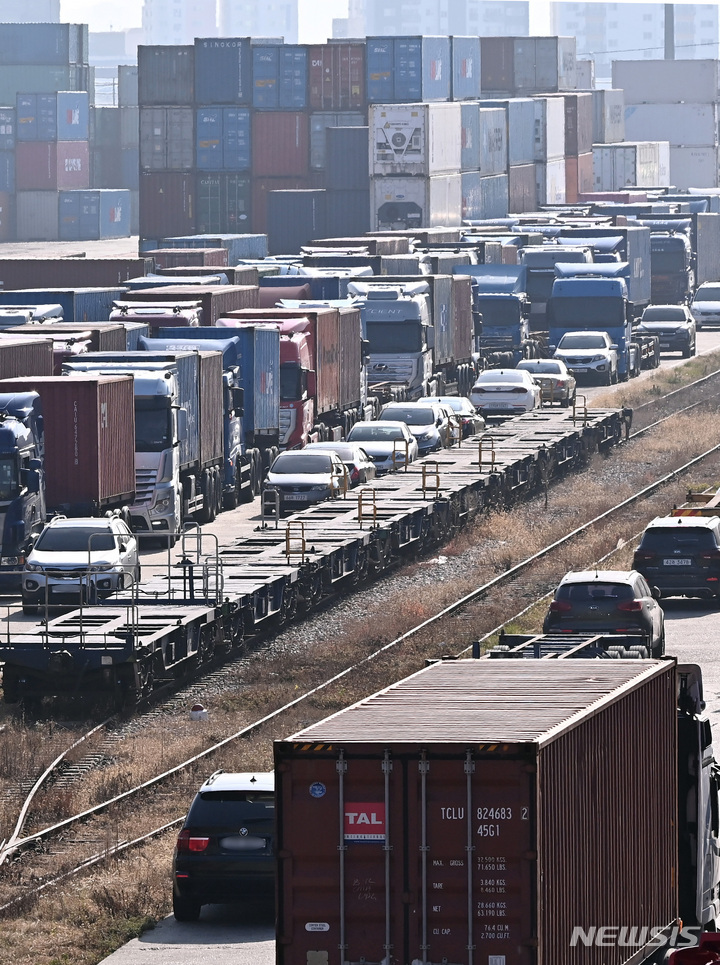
x=680, y=555
x=225, y=850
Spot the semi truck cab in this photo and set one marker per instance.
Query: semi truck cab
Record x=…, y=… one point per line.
x=22, y=495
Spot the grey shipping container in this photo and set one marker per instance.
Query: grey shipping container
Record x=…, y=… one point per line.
x=707, y=247
x=484, y=197
x=350, y=326
x=89, y=429
x=294, y=219
x=80, y=272
x=608, y=116
x=631, y=163
x=523, y=65
x=522, y=188
x=667, y=81
x=520, y=113
x=578, y=123
x=223, y=201
x=346, y=153
x=34, y=79
x=127, y=95
x=78, y=304
x=129, y=127
x=320, y=123
x=59, y=44
x=8, y=131
x=167, y=138
x=37, y=216
x=239, y=246
x=223, y=70
x=693, y=167
x=216, y=300
x=348, y=212
x=166, y=75
x=549, y=128
x=474, y=805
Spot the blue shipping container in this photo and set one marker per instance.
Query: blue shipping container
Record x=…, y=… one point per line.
x=93, y=215
x=222, y=139
x=223, y=70
x=422, y=69
x=239, y=246
x=280, y=77
x=465, y=54
x=7, y=171
x=520, y=127
x=484, y=197
x=78, y=304
x=7, y=128
x=379, y=64
x=130, y=168
x=208, y=138
x=63, y=116
x=73, y=112
x=470, y=136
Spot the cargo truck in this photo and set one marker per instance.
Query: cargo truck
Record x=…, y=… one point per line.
x=178, y=398
x=703, y=230
x=671, y=266
x=251, y=398
x=539, y=262
x=501, y=811
x=65, y=447
x=320, y=369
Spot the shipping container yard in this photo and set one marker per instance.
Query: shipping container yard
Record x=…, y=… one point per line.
x=289, y=321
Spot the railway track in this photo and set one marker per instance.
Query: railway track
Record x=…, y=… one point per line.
x=103, y=828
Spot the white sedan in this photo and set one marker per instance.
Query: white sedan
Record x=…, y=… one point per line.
x=505, y=392
x=389, y=444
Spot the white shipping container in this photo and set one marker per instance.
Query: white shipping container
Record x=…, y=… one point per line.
x=608, y=116
x=37, y=216
x=549, y=128
x=664, y=163
x=493, y=141
x=550, y=179
x=401, y=203
x=630, y=164
x=667, y=81
x=585, y=74
x=694, y=167
x=415, y=139
x=683, y=125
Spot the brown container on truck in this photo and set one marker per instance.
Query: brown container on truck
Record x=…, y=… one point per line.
x=240, y=275
x=25, y=356
x=101, y=338
x=210, y=371
x=186, y=257
x=216, y=300
x=475, y=813
x=89, y=429
x=71, y=272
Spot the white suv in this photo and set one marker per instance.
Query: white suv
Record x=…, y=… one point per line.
x=79, y=560
x=589, y=353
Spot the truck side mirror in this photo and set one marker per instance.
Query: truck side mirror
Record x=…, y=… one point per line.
x=182, y=425
x=311, y=382
x=365, y=349
x=30, y=480
x=238, y=400
x=430, y=336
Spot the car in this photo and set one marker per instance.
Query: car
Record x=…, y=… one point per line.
x=557, y=384
x=429, y=422
x=225, y=850
x=674, y=325
x=705, y=305
x=608, y=601
x=79, y=560
x=360, y=467
x=505, y=392
x=298, y=478
x=390, y=445
x=589, y=353
x=680, y=555
x=471, y=421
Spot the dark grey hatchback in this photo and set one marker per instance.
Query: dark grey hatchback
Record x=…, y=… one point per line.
x=680, y=555
x=226, y=848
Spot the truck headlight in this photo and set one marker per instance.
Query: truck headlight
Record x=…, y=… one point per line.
x=162, y=505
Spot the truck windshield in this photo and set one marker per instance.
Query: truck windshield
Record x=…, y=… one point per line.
x=394, y=338
x=8, y=478
x=153, y=431
x=499, y=313
x=665, y=261
x=586, y=312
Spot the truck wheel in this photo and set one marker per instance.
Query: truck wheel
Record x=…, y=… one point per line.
x=257, y=472
x=186, y=909
x=205, y=515
x=30, y=609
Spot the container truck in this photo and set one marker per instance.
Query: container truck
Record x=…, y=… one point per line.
x=672, y=278
x=703, y=230
x=65, y=447
x=539, y=262
x=473, y=814
x=215, y=300
x=321, y=386
x=251, y=398
x=599, y=303
x=178, y=398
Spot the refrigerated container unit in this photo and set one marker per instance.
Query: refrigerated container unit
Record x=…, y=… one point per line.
x=415, y=202
x=223, y=70
x=223, y=202
x=635, y=163
x=215, y=300
x=222, y=138
x=465, y=68
x=484, y=197
x=167, y=138
x=667, y=81
x=414, y=139
x=550, y=180
x=94, y=215
x=239, y=246
x=408, y=69
x=472, y=807
x=78, y=304
x=346, y=158
x=280, y=144
x=336, y=78
x=517, y=66
x=166, y=75
x=549, y=128
x=320, y=123
x=52, y=165
x=295, y=218
x=279, y=77
x=60, y=116
x=167, y=203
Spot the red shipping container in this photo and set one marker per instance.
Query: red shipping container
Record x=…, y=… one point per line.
x=522, y=188
x=260, y=189
x=585, y=173
x=571, y=180
x=280, y=144
x=337, y=77
x=25, y=356
x=216, y=300
x=615, y=197
x=71, y=272
x=167, y=203
x=51, y=165
x=89, y=439
x=182, y=257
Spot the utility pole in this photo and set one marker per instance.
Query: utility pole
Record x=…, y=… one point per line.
x=669, y=31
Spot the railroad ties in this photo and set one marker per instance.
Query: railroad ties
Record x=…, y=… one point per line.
x=214, y=597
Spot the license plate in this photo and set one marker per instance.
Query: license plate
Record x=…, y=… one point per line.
x=664, y=344
x=294, y=498
x=579, y=368
x=682, y=562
